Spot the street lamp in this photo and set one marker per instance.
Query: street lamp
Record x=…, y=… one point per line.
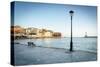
x=71, y=41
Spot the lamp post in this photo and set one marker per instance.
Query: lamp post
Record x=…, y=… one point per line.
x=71, y=41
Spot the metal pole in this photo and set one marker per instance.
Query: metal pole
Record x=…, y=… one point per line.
x=71, y=42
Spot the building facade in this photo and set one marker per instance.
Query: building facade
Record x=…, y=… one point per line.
x=32, y=32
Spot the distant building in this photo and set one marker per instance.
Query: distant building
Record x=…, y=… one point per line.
x=31, y=32
x=39, y=33
x=44, y=33
x=48, y=33
x=17, y=31
x=56, y=34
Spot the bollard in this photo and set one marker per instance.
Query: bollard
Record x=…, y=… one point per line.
x=31, y=44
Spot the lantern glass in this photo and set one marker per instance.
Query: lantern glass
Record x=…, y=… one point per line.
x=71, y=12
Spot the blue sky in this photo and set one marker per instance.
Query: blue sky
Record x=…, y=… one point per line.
x=56, y=17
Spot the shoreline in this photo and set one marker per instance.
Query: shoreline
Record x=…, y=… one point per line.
x=52, y=38
x=56, y=48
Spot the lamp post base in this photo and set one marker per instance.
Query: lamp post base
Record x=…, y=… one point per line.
x=71, y=46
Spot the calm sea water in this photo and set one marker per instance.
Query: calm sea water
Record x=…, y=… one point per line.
x=79, y=43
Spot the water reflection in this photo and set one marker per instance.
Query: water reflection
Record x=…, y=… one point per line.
x=87, y=44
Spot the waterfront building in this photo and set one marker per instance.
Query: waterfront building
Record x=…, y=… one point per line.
x=56, y=34
x=31, y=32
x=48, y=33
x=17, y=31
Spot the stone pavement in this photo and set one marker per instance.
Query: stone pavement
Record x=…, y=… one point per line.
x=26, y=55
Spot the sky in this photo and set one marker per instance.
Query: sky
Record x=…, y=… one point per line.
x=56, y=17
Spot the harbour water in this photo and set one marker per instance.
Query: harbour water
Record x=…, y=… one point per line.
x=79, y=43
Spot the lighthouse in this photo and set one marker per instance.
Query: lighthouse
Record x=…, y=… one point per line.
x=85, y=34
